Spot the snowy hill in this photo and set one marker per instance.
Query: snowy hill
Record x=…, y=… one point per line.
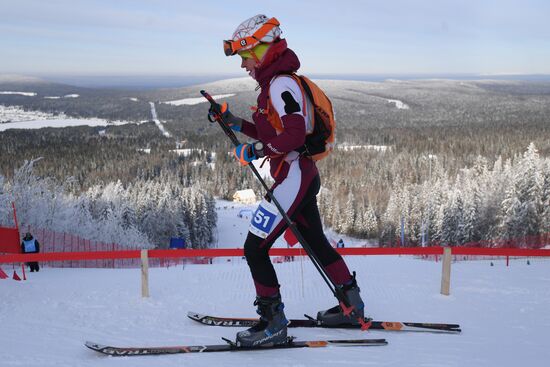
x=16, y=78
x=24, y=83
x=503, y=312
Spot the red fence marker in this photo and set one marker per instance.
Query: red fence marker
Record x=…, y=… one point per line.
x=210, y=253
x=15, y=276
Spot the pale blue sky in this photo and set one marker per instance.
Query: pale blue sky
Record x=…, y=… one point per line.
x=165, y=37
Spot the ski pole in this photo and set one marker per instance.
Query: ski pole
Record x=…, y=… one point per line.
x=338, y=292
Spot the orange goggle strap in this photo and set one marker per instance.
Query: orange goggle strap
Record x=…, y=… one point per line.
x=232, y=47
x=254, y=55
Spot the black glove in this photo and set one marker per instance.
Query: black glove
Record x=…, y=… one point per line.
x=232, y=121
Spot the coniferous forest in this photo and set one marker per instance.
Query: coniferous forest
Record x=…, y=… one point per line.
x=451, y=162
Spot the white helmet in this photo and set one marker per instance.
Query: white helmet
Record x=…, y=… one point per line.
x=251, y=32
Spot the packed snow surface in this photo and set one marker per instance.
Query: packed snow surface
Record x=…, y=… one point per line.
x=64, y=122
x=65, y=96
x=15, y=117
x=11, y=114
x=503, y=312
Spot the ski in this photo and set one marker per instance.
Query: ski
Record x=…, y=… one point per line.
x=229, y=347
x=311, y=322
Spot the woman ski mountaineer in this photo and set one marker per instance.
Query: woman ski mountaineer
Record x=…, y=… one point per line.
x=269, y=61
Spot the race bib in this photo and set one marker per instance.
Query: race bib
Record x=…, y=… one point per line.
x=263, y=219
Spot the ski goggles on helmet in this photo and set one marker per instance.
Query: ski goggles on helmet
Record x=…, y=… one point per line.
x=231, y=47
x=255, y=53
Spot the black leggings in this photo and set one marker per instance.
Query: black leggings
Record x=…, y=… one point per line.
x=308, y=222
x=34, y=266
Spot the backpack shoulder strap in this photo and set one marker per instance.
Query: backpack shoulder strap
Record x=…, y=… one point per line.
x=298, y=81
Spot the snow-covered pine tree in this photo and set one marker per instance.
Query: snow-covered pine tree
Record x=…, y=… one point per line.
x=520, y=216
x=83, y=220
x=325, y=200
x=545, y=201
x=5, y=205
x=415, y=213
x=452, y=227
x=472, y=203
x=392, y=216
x=348, y=218
x=370, y=222
x=337, y=217
x=201, y=231
x=530, y=190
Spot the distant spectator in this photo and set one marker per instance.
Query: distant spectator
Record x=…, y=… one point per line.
x=31, y=246
x=340, y=244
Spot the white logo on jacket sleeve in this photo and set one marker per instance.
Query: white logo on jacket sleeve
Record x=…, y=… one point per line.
x=273, y=149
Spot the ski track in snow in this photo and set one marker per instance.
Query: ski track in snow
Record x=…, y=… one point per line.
x=159, y=124
x=503, y=311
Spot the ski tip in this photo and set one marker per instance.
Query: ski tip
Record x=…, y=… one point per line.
x=94, y=346
x=381, y=342
x=194, y=315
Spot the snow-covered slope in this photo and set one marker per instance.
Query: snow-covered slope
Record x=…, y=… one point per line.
x=503, y=311
x=16, y=118
x=60, y=123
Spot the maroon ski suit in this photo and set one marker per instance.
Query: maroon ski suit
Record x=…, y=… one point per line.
x=296, y=176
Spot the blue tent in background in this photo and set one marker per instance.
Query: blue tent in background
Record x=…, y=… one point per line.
x=176, y=242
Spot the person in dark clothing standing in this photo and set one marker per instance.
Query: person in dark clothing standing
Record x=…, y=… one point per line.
x=31, y=246
x=281, y=120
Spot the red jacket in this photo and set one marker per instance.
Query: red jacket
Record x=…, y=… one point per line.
x=278, y=60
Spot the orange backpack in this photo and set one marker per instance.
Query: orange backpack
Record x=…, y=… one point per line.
x=320, y=136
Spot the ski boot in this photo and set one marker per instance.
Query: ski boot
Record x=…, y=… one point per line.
x=335, y=316
x=272, y=328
